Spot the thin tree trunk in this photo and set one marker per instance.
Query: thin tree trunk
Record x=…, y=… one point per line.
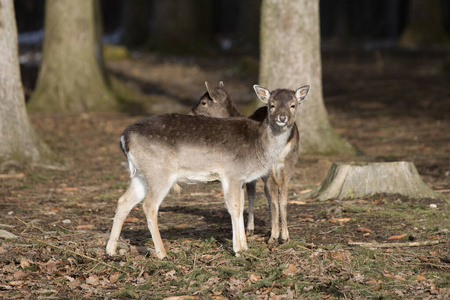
x=19, y=143
x=70, y=79
x=290, y=58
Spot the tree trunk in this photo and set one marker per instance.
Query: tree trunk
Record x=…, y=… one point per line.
x=425, y=24
x=70, y=79
x=290, y=58
x=19, y=142
x=135, y=22
x=181, y=26
x=357, y=180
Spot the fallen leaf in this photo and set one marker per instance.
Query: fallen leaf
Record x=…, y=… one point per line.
x=363, y=229
x=131, y=220
x=290, y=270
x=343, y=220
x=51, y=266
x=113, y=277
x=254, y=278
x=376, y=288
x=396, y=237
x=74, y=283
x=19, y=275
x=181, y=226
x=433, y=237
x=92, y=280
x=171, y=274
x=296, y=202
x=85, y=226
x=420, y=278
x=24, y=263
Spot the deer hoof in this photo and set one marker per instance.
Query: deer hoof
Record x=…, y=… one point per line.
x=272, y=241
x=284, y=241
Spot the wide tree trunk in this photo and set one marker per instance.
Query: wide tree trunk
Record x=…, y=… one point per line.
x=181, y=26
x=19, y=143
x=290, y=58
x=425, y=24
x=70, y=79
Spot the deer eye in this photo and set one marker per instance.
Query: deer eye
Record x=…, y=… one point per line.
x=203, y=103
x=293, y=106
x=272, y=106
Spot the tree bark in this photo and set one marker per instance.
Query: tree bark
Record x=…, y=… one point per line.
x=19, y=142
x=357, y=180
x=135, y=22
x=290, y=58
x=70, y=79
x=425, y=24
x=181, y=26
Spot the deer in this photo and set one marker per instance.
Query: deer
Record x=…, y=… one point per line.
x=216, y=102
x=162, y=150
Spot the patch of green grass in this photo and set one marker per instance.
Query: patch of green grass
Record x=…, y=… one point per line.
x=36, y=177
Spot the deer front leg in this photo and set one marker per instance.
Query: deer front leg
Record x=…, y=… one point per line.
x=134, y=194
x=234, y=198
x=271, y=190
x=251, y=193
x=283, y=209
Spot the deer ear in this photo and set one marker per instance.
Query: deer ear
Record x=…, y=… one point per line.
x=262, y=93
x=210, y=92
x=221, y=84
x=302, y=92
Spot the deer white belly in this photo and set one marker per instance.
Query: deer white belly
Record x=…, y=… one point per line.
x=189, y=177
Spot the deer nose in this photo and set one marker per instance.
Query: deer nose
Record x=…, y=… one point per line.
x=282, y=119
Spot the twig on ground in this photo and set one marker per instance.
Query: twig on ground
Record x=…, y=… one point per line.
x=394, y=245
x=12, y=176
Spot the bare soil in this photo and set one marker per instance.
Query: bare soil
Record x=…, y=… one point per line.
x=392, y=105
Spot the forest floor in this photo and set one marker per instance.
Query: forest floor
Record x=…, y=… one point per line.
x=392, y=105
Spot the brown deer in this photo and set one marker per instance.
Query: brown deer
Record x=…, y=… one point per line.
x=164, y=149
x=216, y=102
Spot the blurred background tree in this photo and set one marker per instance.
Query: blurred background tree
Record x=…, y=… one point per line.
x=20, y=146
x=70, y=77
x=425, y=24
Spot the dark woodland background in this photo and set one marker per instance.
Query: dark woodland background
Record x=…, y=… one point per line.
x=370, y=23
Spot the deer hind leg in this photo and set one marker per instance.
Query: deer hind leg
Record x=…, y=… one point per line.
x=234, y=199
x=251, y=193
x=158, y=189
x=134, y=194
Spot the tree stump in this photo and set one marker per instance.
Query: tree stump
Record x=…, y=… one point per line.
x=360, y=179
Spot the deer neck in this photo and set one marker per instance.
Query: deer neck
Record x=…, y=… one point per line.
x=272, y=142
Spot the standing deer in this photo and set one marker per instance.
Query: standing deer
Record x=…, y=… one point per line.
x=164, y=149
x=217, y=103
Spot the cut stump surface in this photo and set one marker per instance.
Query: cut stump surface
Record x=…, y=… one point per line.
x=360, y=179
